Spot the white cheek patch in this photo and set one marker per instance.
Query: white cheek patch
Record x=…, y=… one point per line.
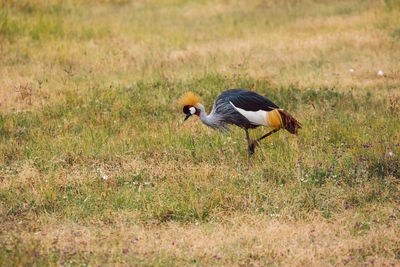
x=192, y=110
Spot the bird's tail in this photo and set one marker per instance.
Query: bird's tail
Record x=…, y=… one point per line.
x=288, y=122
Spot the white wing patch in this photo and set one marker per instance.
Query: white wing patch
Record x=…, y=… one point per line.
x=259, y=117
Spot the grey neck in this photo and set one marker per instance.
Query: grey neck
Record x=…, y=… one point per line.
x=207, y=119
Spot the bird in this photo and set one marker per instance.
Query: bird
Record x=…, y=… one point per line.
x=243, y=108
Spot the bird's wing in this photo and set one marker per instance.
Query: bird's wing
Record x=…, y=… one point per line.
x=248, y=100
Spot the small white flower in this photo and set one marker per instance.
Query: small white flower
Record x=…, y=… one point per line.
x=275, y=215
x=102, y=175
x=391, y=153
x=196, y=223
x=351, y=70
x=64, y=197
x=380, y=73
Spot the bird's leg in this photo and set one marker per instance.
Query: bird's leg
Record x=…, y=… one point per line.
x=266, y=135
x=251, y=144
x=250, y=151
x=248, y=141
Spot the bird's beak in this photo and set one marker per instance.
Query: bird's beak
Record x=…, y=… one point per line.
x=187, y=116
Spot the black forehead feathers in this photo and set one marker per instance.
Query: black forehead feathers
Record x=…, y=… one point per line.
x=186, y=109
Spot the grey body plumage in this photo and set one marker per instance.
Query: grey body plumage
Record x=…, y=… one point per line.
x=223, y=112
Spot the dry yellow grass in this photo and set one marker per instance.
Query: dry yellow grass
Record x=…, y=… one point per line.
x=313, y=50
x=97, y=168
x=237, y=240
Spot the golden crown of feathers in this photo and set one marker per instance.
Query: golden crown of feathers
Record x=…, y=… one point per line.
x=189, y=99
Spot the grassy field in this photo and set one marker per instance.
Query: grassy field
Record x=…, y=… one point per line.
x=98, y=168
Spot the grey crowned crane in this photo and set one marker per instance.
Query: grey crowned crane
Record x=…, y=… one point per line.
x=243, y=108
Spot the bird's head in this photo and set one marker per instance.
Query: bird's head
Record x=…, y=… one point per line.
x=189, y=102
x=190, y=110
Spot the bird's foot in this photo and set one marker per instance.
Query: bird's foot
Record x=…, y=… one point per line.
x=252, y=146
